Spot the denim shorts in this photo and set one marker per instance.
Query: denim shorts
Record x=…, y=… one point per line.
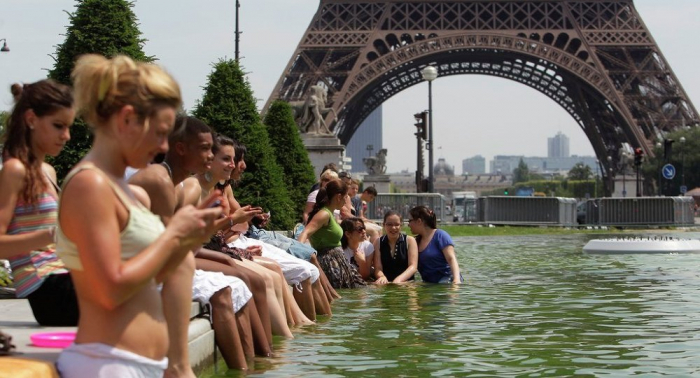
x=289, y=245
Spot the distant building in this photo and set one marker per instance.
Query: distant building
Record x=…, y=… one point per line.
x=505, y=164
x=558, y=146
x=446, y=182
x=475, y=165
x=443, y=169
x=369, y=133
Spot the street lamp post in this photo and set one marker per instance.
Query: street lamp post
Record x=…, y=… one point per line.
x=624, y=174
x=4, y=47
x=610, y=176
x=682, y=162
x=429, y=74
x=658, y=183
x=238, y=33
x=595, y=183
x=370, y=148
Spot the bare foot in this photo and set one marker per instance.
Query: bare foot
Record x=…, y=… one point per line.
x=179, y=372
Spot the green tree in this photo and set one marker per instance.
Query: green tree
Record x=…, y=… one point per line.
x=580, y=172
x=521, y=173
x=3, y=119
x=290, y=153
x=687, y=152
x=229, y=107
x=107, y=27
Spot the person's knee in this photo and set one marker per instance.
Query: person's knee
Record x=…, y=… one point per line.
x=276, y=268
x=314, y=273
x=257, y=282
x=222, y=299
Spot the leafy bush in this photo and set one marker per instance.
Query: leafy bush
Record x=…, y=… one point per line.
x=229, y=107
x=290, y=154
x=107, y=27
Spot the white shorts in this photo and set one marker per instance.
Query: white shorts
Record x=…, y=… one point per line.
x=371, y=226
x=105, y=361
x=294, y=269
x=206, y=284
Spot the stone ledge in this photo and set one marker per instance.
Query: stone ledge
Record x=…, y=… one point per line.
x=18, y=321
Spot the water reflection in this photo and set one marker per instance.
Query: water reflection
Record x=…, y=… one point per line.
x=531, y=306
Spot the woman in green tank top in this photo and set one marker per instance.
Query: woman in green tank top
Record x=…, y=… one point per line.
x=324, y=234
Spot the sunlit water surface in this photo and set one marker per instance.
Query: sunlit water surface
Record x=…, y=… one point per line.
x=532, y=306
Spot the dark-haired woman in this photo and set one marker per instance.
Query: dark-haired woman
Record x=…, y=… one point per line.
x=358, y=250
x=325, y=233
x=397, y=260
x=38, y=126
x=437, y=262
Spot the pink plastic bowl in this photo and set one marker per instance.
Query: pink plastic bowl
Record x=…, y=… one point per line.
x=53, y=339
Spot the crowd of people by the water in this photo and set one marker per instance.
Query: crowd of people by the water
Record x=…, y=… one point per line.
x=148, y=221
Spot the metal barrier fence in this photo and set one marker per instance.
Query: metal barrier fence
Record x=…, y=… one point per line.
x=642, y=211
x=403, y=202
x=527, y=210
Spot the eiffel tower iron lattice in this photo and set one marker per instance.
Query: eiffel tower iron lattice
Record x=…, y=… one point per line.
x=595, y=58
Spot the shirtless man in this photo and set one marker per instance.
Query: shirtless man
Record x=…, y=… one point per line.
x=190, y=153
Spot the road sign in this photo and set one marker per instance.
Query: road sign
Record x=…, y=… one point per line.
x=668, y=171
x=684, y=189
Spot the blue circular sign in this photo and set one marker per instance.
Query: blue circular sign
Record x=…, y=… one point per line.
x=668, y=171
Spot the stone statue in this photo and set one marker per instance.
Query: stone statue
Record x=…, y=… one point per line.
x=310, y=115
x=376, y=165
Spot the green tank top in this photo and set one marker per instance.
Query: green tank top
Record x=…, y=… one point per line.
x=327, y=236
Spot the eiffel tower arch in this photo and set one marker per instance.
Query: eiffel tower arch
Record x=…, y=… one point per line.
x=594, y=58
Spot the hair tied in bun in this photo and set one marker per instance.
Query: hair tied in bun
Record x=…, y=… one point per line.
x=16, y=90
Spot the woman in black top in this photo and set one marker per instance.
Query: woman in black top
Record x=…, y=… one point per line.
x=397, y=260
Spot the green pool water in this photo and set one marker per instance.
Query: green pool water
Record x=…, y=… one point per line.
x=532, y=306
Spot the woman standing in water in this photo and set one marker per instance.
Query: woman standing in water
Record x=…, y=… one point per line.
x=117, y=250
x=437, y=262
x=397, y=257
x=325, y=233
x=38, y=126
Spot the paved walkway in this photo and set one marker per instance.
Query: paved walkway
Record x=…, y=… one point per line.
x=17, y=320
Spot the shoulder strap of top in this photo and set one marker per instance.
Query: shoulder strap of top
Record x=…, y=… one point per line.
x=53, y=183
x=123, y=197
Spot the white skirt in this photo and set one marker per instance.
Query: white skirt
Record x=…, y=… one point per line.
x=97, y=360
x=206, y=284
x=294, y=269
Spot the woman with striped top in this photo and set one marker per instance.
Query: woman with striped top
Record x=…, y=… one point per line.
x=38, y=126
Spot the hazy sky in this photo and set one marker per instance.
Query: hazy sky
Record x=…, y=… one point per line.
x=472, y=114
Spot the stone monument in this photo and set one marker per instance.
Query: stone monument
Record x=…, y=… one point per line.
x=320, y=142
x=376, y=172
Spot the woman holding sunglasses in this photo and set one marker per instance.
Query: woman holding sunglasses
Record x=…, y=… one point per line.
x=358, y=250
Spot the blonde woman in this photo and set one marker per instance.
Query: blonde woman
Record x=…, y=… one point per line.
x=116, y=249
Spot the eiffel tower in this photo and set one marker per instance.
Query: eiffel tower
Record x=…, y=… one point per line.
x=595, y=58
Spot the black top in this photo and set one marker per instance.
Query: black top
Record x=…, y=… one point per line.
x=393, y=266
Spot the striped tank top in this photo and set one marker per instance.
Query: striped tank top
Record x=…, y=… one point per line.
x=30, y=269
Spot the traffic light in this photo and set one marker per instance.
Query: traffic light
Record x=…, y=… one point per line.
x=505, y=192
x=668, y=147
x=422, y=124
x=638, y=156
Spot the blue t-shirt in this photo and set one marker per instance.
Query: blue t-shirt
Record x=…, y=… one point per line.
x=432, y=264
